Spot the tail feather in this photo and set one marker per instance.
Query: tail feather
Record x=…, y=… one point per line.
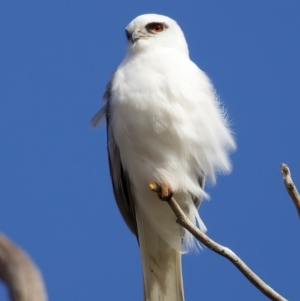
x=161, y=265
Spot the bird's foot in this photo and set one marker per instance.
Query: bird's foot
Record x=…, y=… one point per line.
x=163, y=191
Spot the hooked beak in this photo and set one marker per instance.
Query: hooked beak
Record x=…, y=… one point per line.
x=135, y=35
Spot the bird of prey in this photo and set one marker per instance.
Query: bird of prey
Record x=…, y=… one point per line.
x=165, y=125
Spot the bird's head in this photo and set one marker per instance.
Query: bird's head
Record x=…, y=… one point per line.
x=151, y=30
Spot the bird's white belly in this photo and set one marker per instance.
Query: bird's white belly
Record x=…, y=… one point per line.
x=152, y=143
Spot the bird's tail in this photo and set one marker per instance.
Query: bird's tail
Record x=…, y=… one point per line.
x=161, y=265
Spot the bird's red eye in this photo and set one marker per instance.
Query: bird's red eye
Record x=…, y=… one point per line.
x=156, y=27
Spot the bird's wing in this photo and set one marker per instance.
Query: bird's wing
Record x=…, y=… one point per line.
x=121, y=185
x=120, y=178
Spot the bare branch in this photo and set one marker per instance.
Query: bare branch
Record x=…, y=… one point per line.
x=20, y=274
x=290, y=186
x=185, y=222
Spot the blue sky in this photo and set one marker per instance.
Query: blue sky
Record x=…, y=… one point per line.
x=56, y=197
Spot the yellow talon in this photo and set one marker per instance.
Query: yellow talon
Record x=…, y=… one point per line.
x=153, y=186
x=163, y=191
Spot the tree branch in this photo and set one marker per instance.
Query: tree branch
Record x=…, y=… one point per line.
x=20, y=274
x=290, y=186
x=185, y=222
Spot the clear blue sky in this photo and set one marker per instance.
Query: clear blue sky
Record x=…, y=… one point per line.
x=55, y=192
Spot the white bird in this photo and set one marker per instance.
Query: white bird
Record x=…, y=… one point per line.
x=165, y=125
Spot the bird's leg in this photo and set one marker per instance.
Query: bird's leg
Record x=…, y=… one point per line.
x=163, y=191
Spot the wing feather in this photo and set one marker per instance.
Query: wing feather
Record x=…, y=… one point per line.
x=120, y=179
x=95, y=121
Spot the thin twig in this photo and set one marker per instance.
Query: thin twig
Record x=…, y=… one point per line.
x=184, y=221
x=20, y=274
x=290, y=186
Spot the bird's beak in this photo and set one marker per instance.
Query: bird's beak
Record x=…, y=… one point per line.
x=136, y=35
